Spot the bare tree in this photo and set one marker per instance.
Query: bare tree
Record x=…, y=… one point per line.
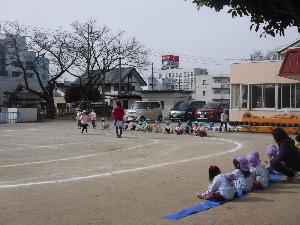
x=52, y=55
x=101, y=50
x=259, y=55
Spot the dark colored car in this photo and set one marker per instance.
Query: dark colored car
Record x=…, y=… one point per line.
x=185, y=110
x=210, y=112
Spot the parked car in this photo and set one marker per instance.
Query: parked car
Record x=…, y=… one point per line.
x=149, y=109
x=210, y=112
x=185, y=110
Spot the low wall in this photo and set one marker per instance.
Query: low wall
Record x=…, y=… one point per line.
x=27, y=114
x=24, y=114
x=237, y=115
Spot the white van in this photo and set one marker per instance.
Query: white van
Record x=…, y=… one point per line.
x=149, y=109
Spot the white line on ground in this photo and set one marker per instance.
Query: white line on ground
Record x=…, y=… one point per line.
x=30, y=129
x=79, y=157
x=238, y=146
x=43, y=146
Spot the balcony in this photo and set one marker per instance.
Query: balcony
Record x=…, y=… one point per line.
x=220, y=96
x=220, y=85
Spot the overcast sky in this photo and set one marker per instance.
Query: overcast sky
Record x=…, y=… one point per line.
x=165, y=26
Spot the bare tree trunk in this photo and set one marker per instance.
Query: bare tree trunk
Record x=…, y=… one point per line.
x=50, y=107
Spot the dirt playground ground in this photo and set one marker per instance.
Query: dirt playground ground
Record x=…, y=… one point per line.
x=51, y=174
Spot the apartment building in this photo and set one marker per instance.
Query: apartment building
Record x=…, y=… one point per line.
x=11, y=75
x=213, y=88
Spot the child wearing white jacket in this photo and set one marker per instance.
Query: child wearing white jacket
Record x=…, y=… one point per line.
x=220, y=188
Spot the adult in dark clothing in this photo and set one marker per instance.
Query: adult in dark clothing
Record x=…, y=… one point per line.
x=288, y=159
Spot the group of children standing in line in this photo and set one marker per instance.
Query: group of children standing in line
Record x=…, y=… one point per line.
x=83, y=117
x=191, y=128
x=248, y=174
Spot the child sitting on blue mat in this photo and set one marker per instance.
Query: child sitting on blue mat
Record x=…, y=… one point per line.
x=157, y=127
x=188, y=127
x=194, y=128
x=141, y=123
x=243, y=180
x=179, y=128
x=272, y=151
x=258, y=171
x=104, y=123
x=147, y=127
x=168, y=128
x=220, y=188
x=132, y=126
x=201, y=131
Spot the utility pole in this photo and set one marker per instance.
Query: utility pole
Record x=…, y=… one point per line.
x=103, y=82
x=152, y=77
x=120, y=72
x=88, y=52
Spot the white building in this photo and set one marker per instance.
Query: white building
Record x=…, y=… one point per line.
x=182, y=79
x=213, y=88
x=11, y=74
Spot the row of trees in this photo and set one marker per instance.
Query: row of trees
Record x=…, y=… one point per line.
x=88, y=49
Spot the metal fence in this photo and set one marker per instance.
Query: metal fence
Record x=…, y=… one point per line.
x=9, y=117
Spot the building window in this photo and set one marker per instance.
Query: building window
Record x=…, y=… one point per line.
x=203, y=93
x=268, y=96
x=297, y=97
x=125, y=104
x=29, y=65
x=15, y=64
x=235, y=96
x=16, y=74
x=293, y=95
x=116, y=87
x=204, y=82
x=286, y=96
x=244, y=96
x=107, y=87
x=4, y=73
x=256, y=96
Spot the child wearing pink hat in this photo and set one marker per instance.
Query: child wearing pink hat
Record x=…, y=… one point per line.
x=220, y=188
x=258, y=171
x=243, y=180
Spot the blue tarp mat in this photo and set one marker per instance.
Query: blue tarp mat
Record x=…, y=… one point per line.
x=205, y=205
x=202, y=206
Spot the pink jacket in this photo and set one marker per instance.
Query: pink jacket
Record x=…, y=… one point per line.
x=93, y=116
x=78, y=115
x=118, y=113
x=84, y=119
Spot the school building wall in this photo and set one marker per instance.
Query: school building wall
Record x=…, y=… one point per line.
x=265, y=72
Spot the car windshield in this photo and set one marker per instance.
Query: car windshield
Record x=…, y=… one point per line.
x=211, y=106
x=138, y=105
x=197, y=105
x=181, y=106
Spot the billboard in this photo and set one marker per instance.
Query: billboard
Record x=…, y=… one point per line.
x=169, y=62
